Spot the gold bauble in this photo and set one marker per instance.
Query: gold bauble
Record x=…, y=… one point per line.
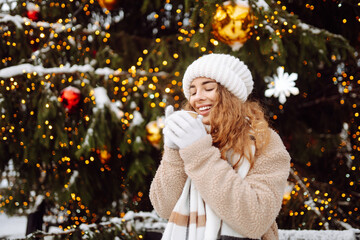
x=153, y=133
x=104, y=155
x=232, y=23
x=108, y=4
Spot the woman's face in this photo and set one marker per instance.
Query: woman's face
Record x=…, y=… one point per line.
x=203, y=96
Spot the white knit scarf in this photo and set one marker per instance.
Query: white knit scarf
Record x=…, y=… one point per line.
x=193, y=219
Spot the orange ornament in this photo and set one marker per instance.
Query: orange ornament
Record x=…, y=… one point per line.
x=104, y=156
x=153, y=133
x=232, y=24
x=108, y=4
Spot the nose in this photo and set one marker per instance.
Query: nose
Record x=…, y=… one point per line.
x=199, y=95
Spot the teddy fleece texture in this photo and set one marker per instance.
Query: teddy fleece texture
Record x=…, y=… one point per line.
x=250, y=205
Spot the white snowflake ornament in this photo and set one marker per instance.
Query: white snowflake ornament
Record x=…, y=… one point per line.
x=281, y=85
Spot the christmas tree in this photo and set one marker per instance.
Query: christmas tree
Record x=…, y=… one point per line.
x=84, y=83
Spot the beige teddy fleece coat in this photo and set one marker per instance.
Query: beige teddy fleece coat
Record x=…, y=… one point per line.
x=250, y=205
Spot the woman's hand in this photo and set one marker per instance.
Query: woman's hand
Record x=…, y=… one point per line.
x=183, y=130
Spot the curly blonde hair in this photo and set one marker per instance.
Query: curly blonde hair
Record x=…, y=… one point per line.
x=237, y=125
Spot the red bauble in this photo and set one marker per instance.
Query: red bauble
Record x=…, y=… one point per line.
x=94, y=53
x=33, y=11
x=70, y=98
x=33, y=15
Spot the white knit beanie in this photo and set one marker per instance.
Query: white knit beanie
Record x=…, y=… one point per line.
x=225, y=69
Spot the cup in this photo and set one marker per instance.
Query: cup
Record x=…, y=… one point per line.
x=192, y=113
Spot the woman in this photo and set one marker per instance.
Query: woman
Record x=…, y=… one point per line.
x=223, y=173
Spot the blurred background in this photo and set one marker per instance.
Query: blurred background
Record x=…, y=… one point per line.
x=84, y=84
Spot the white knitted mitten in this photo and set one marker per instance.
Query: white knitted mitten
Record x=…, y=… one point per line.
x=167, y=142
x=183, y=130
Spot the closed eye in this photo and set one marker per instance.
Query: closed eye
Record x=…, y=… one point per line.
x=209, y=86
x=206, y=85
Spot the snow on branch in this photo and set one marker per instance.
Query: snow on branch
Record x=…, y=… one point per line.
x=314, y=30
x=128, y=225
x=102, y=99
x=262, y=4
x=40, y=70
x=17, y=20
x=136, y=223
x=108, y=71
x=306, y=28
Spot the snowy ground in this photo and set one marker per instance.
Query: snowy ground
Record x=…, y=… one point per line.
x=12, y=226
x=15, y=227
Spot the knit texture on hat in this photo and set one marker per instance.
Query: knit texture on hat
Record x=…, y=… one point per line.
x=225, y=69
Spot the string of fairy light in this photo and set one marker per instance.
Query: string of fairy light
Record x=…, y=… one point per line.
x=48, y=37
x=322, y=201
x=60, y=46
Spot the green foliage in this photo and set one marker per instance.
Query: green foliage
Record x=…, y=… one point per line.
x=96, y=160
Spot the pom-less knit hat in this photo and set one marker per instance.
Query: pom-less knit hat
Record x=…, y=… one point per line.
x=225, y=69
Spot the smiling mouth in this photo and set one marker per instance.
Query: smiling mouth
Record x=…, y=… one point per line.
x=204, y=108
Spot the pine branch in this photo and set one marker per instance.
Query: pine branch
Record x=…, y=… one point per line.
x=129, y=225
x=311, y=199
x=319, y=100
x=102, y=225
x=79, y=10
x=19, y=21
